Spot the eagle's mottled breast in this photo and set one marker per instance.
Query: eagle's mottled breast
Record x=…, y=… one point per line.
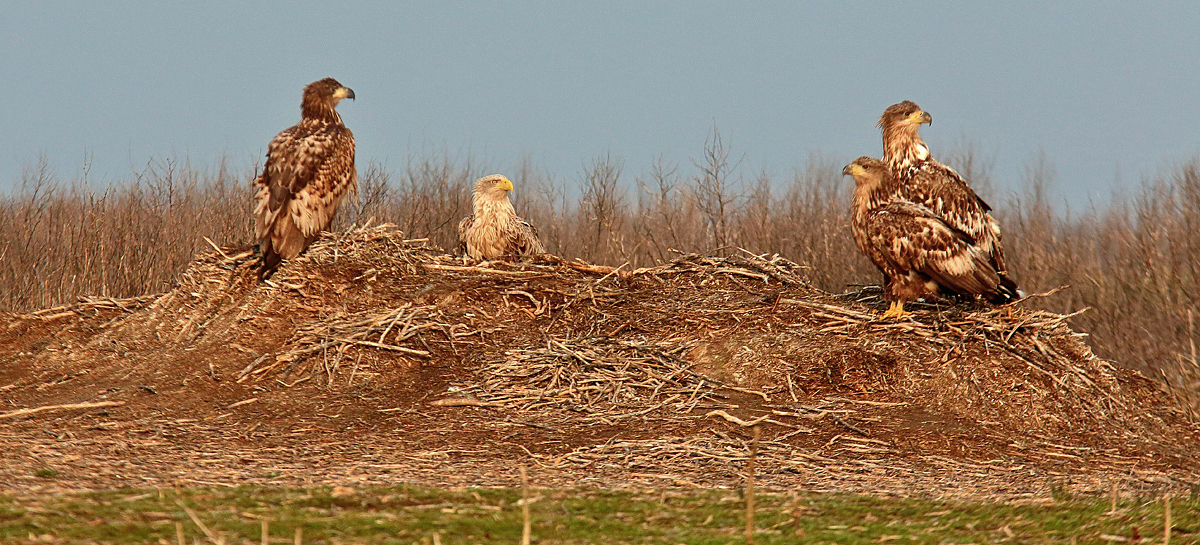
x=494, y=229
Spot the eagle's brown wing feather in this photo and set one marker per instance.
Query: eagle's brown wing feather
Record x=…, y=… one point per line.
x=947, y=194
x=910, y=237
x=523, y=238
x=944, y=191
x=309, y=170
x=480, y=238
x=463, y=226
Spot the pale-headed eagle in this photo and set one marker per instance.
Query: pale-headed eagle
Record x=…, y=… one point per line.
x=493, y=229
x=940, y=192
x=309, y=169
x=918, y=252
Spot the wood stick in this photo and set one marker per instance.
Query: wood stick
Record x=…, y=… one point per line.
x=795, y=512
x=217, y=248
x=384, y=346
x=57, y=316
x=1192, y=338
x=1113, y=509
x=749, y=391
x=89, y=405
x=737, y=420
x=192, y=515
x=850, y=426
x=240, y=403
x=527, y=529
x=250, y=367
x=477, y=269
x=461, y=402
x=354, y=371
x=1166, y=520
x=865, y=402
x=750, y=487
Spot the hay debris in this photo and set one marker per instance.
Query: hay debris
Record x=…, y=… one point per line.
x=602, y=378
x=592, y=371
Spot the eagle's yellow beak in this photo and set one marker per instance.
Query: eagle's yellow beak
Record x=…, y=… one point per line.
x=921, y=116
x=852, y=169
x=504, y=184
x=344, y=92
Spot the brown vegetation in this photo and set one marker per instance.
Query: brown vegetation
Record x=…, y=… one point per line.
x=1135, y=264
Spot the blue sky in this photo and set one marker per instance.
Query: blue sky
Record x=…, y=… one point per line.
x=1110, y=92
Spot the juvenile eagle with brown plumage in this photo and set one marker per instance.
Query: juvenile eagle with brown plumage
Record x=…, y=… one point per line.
x=918, y=252
x=309, y=169
x=937, y=191
x=494, y=229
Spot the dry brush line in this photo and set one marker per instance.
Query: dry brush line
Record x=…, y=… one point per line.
x=747, y=264
x=606, y=379
x=371, y=329
x=90, y=306
x=716, y=448
x=1037, y=338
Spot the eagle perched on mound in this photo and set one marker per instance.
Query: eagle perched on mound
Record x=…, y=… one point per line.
x=494, y=229
x=939, y=232
x=917, y=250
x=309, y=169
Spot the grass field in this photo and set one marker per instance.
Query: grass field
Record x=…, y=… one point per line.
x=418, y=515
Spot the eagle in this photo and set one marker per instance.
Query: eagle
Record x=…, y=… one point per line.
x=917, y=250
x=494, y=229
x=918, y=179
x=309, y=169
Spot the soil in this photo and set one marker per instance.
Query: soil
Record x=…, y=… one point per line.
x=373, y=359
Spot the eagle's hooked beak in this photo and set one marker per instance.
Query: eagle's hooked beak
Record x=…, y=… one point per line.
x=344, y=92
x=504, y=185
x=919, y=117
x=849, y=170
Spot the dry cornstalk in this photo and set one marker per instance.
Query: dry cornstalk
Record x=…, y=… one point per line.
x=527, y=527
x=750, y=487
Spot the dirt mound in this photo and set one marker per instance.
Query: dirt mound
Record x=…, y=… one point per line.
x=376, y=359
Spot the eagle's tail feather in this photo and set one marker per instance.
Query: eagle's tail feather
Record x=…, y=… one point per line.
x=1006, y=292
x=283, y=241
x=268, y=263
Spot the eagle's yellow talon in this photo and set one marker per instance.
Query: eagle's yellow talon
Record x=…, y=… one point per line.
x=896, y=312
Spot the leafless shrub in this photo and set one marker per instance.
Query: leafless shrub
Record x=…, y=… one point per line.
x=541, y=199
x=966, y=158
x=666, y=219
x=814, y=227
x=713, y=192
x=602, y=209
x=756, y=220
x=63, y=240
